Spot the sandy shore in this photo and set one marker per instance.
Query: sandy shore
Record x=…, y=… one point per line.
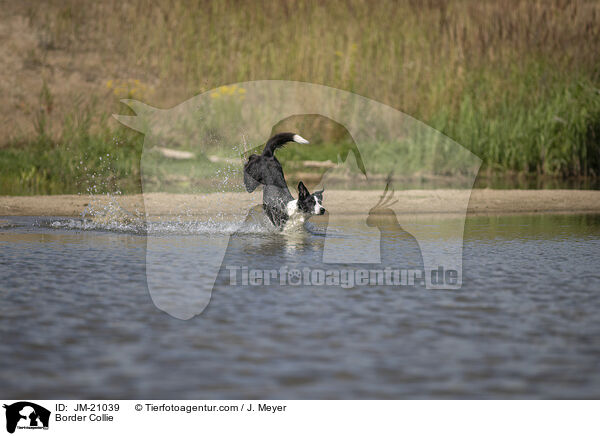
x=481, y=202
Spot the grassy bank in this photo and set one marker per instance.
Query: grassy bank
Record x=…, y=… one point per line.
x=84, y=158
x=516, y=82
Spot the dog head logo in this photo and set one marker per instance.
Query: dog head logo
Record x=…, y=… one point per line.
x=26, y=415
x=214, y=132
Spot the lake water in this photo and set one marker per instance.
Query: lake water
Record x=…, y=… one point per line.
x=77, y=320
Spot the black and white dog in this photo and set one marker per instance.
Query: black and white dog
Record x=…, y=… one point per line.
x=283, y=211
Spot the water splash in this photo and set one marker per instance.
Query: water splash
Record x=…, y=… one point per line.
x=106, y=215
x=105, y=211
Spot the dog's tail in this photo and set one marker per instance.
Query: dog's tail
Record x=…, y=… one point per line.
x=279, y=140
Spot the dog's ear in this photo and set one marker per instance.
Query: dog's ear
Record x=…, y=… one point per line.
x=319, y=194
x=302, y=191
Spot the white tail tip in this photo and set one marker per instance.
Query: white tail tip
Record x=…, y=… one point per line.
x=299, y=139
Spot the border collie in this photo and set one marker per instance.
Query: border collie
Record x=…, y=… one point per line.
x=279, y=205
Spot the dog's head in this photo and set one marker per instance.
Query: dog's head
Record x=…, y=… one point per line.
x=310, y=203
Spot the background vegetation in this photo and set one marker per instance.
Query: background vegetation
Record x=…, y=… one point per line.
x=515, y=81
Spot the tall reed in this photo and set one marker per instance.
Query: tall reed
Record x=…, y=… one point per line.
x=515, y=81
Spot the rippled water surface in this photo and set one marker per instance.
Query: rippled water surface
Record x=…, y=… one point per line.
x=77, y=321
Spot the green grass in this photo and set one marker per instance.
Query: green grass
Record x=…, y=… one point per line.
x=82, y=160
x=553, y=132
x=557, y=136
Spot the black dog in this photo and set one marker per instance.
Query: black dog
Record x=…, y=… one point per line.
x=283, y=211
